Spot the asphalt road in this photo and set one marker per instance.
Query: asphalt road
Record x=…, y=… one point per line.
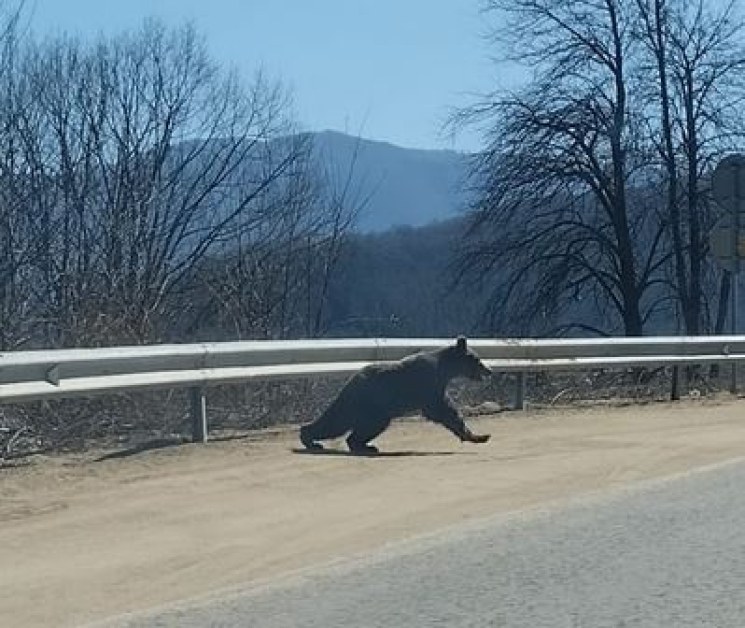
x=666, y=553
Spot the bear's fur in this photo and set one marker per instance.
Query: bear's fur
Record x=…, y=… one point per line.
x=378, y=393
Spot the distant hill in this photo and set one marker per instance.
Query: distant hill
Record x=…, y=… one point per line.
x=407, y=187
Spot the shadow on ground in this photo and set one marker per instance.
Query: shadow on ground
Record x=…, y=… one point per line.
x=381, y=454
x=167, y=442
x=157, y=443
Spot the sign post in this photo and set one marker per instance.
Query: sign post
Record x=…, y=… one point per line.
x=727, y=239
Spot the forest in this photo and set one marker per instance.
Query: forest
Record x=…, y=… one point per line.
x=150, y=195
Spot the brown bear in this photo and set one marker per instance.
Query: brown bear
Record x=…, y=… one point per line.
x=378, y=393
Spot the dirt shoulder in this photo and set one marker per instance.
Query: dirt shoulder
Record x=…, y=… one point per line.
x=82, y=539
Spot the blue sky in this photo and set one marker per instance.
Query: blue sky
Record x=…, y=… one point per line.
x=385, y=69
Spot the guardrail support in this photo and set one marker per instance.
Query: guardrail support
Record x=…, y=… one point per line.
x=733, y=379
x=198, y=415
x=520, y=391
x=675, y=387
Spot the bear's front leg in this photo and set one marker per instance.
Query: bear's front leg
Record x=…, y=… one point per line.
x=446, y=415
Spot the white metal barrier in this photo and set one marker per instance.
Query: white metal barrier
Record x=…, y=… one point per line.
x=33, y=375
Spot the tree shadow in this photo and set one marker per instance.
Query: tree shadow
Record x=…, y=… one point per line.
x=165, y=443
x=406, y=453
x=156, y=443
x=226, y=438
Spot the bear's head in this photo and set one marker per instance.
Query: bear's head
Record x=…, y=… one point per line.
x=463, y=362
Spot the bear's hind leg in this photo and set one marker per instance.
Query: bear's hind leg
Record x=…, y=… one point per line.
x=330, y=424
x=366, y=430
x=307, y=439
x=359, y=446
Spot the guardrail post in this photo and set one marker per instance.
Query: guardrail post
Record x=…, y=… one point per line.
x=675, y=388
x=733, y=379
x=198, y=415
x=520, y=391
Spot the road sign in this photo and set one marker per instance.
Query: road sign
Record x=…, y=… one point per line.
x=728, y=189
x=728, y=183
x=727, y=239
x=728, y=247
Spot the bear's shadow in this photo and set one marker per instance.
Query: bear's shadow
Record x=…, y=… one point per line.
x=406, y=453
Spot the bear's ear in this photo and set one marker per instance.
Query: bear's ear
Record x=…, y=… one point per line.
x=461, y=343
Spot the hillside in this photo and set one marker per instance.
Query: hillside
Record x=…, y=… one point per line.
x=404, y=187
x=407, y=187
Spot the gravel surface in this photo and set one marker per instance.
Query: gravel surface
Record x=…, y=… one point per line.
x=667, y=553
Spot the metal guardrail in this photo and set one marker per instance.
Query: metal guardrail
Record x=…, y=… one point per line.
x=34, y=375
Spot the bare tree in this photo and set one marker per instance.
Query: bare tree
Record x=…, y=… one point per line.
x=340, y=201
x=626, y=98
x=145, y=156
x=272, y=279
x=553, y=218
x=695, y=78
x=18, y=246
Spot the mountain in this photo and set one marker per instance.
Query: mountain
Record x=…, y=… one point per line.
x=400, y=187
x=405, y=186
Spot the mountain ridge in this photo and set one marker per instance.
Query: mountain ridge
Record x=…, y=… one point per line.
x=406, y=186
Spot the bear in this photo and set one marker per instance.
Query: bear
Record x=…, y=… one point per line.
x=375, y=395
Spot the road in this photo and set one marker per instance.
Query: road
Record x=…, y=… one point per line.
x=662, y=554
x=85, y=538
